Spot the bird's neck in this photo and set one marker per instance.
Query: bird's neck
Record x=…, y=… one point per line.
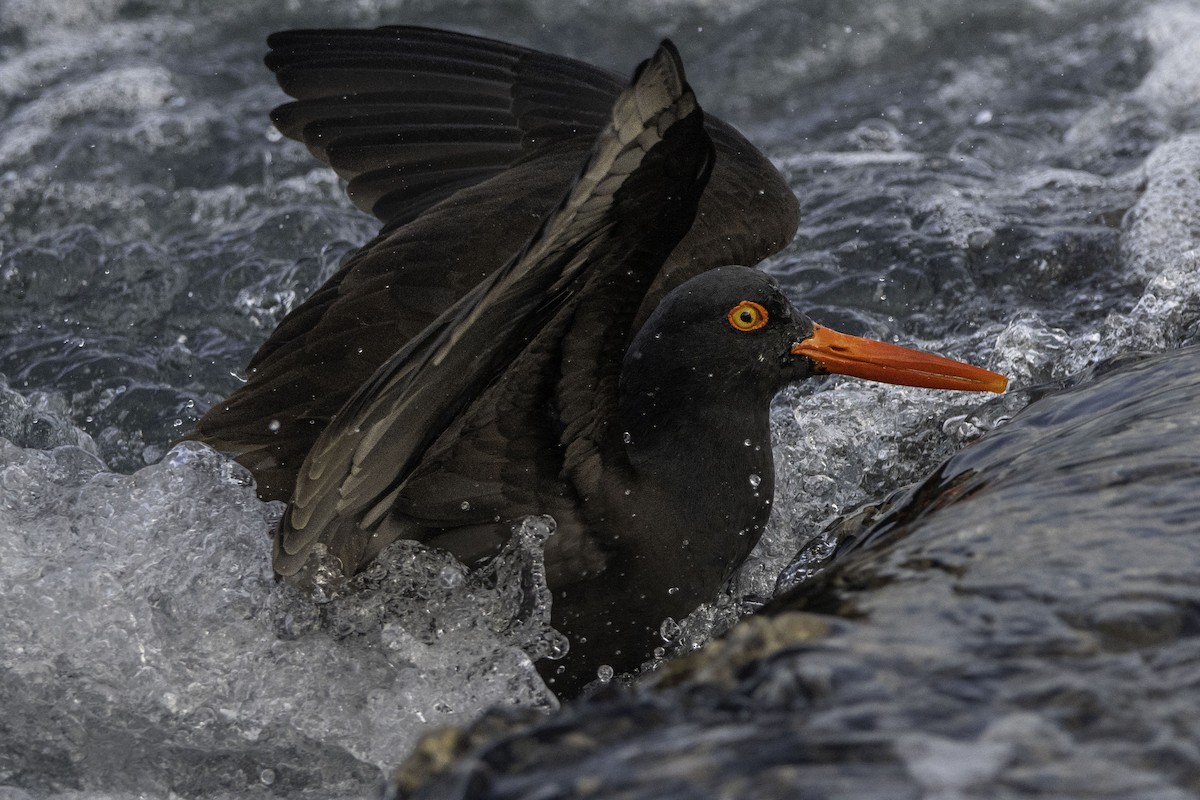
x=689, y=435
x=692, y=439
x=701, y=490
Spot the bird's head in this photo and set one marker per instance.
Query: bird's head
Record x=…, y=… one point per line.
x=732, y=328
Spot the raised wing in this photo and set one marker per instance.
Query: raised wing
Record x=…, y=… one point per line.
x=411, y=115
x=462, y=145
x=635, y=199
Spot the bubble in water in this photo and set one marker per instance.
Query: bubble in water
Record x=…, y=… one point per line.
x=604, y=672
x=557, y=646
x=450, y=577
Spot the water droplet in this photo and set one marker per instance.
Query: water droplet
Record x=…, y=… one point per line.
x=627, y=437
x=754, y=481
x=669, y=630
x=466, y=506
x=556, y=646
x=748, y=443
x=673, y=590
x=267, y=776
x=604, y=672
x=274, y=425
x=449, y=577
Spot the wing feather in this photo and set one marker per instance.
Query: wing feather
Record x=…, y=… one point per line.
x=386, y=429
x=514, y=142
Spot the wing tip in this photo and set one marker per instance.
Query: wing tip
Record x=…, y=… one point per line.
x=667, y=63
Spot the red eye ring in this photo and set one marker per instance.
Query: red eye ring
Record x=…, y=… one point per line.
x=747, y=316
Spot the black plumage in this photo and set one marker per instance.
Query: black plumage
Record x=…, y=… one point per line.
x=544, y=325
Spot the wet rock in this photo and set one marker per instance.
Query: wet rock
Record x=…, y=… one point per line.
x=1023, y=623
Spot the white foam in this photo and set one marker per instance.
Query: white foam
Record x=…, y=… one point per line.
x=1173, y=82
x=149, y=599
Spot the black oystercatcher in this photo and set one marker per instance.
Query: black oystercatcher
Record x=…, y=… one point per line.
x=545, y=325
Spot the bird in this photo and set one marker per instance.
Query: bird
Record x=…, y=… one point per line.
x=559, y=316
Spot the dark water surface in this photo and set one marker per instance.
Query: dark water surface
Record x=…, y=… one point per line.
x=1017, y=186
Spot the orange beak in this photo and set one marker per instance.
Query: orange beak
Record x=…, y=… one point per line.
x=840, y=354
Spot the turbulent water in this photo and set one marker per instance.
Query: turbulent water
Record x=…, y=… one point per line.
x=1017, y=186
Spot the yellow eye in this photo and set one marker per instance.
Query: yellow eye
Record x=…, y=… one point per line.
x=747, y=316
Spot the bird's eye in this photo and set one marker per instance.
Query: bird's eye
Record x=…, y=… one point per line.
x=747, y=316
